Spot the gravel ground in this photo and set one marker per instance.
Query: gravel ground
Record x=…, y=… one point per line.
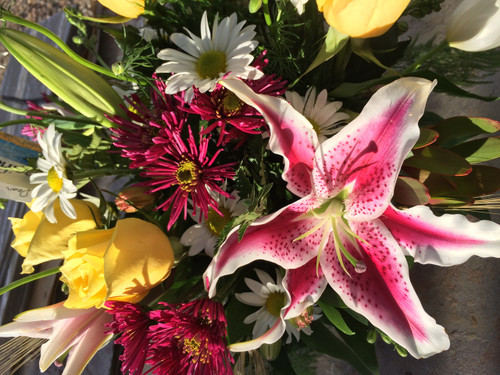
x=38, y=10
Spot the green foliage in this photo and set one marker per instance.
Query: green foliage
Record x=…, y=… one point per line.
x=421, y=8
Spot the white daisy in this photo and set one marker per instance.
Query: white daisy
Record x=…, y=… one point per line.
x=205, y=234
x=322, y=114
x=271, y=296
x=225, y=50
x=52, y=182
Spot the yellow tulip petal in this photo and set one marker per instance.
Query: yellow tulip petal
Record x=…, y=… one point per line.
x=362, y=18
x=50, y=239
x=24, y=229
x=139, y=258
x=125, y=8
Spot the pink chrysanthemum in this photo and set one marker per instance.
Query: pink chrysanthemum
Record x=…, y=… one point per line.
x=189, y=169
x=132, y=322
x=190, y=339
x=134, y=135
x=225, y=108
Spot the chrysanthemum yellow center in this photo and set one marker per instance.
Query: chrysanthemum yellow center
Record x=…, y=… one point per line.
x=187, y=174
x=215, y=222
x=231, y=103
x=193, y=348
x=55, y=182
x=211, y=64
x=275, y=302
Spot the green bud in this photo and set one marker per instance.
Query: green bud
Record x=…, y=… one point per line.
x=77, y=40
x=371, y=337
x=75, y=84
x=117, y=68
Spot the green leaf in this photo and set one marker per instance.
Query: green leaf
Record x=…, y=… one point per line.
x=438, y=160
x=361, y=47
x=427, y=137
x=479, y=150
x=410, y=192
x=334, y=42
x=482, y=180
x=335, y=317
x=28, y=279
x=456, y=130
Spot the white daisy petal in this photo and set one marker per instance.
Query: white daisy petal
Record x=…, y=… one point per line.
x=251, y=299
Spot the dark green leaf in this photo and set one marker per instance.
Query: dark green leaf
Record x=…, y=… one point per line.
x=438, y=160
x=410, y=192
x=335, y=317
x=456, y=130
x=479, y=150
x=427, y=137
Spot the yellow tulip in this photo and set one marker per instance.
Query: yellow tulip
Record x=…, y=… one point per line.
x=122, y=263
x=38, y=240
x=362, y=18
x=125, y=8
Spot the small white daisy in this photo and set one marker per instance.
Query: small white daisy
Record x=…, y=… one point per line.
x=322, y=114
x=204, y=236
x=52, y=182
x=271, y=296
x=225, y=50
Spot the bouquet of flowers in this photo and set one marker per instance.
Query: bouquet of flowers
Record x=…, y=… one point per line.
x=275, y=175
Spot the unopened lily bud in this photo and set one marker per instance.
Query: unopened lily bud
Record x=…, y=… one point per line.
x=133, y=199
x=475, y=25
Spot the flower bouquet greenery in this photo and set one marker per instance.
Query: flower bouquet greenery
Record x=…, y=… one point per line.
x=275, y=177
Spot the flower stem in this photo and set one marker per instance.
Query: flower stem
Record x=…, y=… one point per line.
x=77, y=175
x=267, y=13
x=23, y=112
x=28, y=279
x=417, y=64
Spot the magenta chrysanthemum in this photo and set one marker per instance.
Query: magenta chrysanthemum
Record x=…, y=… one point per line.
x=134, y=134
x=189, y=169
x=132, y=322
x=222, y=106
x=190, y=339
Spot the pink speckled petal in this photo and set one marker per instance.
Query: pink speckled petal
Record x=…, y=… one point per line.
x=291, y=135
x=270, y=238
x=442, y=240
x=271, y=336
x=367, y=154
x=383, y=293
x=305, y=286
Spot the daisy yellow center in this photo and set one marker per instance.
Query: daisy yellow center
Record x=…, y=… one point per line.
x=215, y=222
x=315, y=126
x=275, y=302
x=187, y=175
x=55, y=182
x=231, y=103
x=211, y=64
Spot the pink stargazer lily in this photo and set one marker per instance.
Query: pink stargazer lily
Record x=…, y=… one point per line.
x=343, y=231
x=82, y=332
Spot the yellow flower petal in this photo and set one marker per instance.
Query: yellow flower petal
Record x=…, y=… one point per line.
x=122, y=263
x=139, y=258
x=49, y=240
x=362, y=18
x=125, y=8
x=24, y=229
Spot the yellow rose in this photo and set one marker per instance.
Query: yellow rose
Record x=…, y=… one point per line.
x=38, y=240
x=122, y=263
x=362, y=18
x=125, y=8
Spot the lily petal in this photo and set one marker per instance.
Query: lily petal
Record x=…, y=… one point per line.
x=383, y=293
x=367, y=154
x=277, y=246
x=446, y=240
x=271, y=336
x=291, y=135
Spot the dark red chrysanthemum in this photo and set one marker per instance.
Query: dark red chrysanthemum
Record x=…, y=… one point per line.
x=225, y=108
x=189, y=169
x=190, y=339
x=132, y=322
x=134, y=134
